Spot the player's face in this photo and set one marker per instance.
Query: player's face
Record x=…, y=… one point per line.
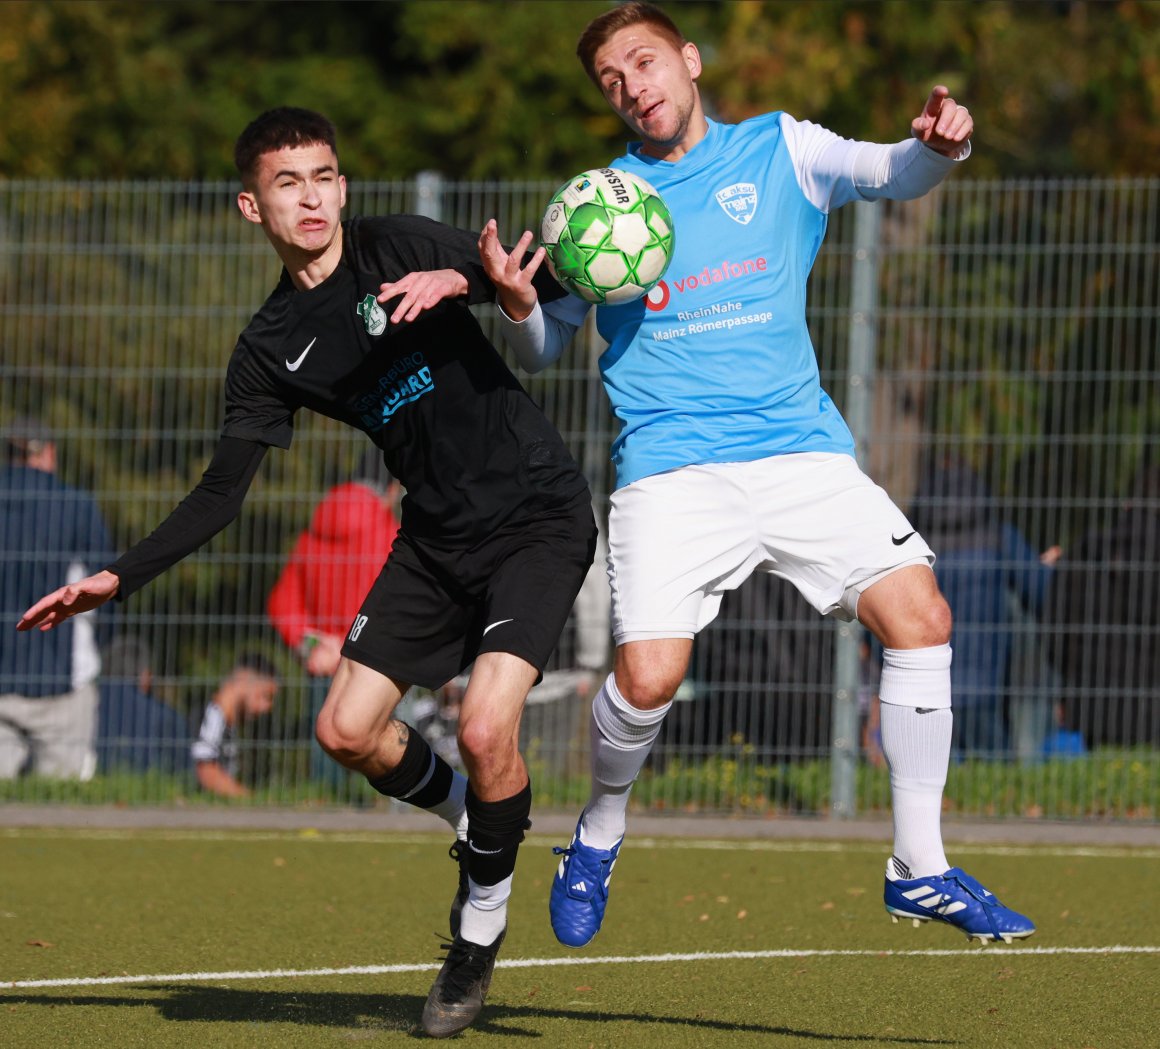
x=651, y=84
x=297, y=197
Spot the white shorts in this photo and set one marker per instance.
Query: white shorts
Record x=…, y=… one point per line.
x=678, y=540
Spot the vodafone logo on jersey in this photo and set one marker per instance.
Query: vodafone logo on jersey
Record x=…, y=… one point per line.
x=660, y=296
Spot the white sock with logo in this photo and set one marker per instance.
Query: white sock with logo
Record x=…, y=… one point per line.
x=485, y=912
x=916, y=719
x=622, y=737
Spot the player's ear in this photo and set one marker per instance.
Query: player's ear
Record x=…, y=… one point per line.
x=692, y=59
x=342, y=191
x=248, y=206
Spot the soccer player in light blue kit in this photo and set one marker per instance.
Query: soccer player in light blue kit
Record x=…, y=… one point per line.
x=732, y=459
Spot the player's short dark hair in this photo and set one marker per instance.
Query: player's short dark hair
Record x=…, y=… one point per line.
x=600, y=30
x=286, y=127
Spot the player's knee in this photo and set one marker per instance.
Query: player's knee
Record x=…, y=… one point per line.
x=937, y=622
x=483, y=742
x=924, y=623
x=341, y=737
x=645, y=687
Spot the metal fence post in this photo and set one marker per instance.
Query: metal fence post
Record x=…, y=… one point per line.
x=429, y=195
x=844, y=744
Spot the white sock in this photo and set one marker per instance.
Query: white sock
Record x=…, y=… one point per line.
x=916, y=720
x=622, y=737
x=485, y=912
x=454, y=809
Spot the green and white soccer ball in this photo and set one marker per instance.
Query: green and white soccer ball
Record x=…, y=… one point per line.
x=608, y=235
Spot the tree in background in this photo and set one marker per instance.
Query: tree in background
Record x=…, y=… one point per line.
x=125, y=89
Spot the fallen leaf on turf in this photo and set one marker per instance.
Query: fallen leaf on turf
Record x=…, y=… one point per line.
x=827, y=906
x=279, y=862
x=703, y=918
x=584, y=987
x=742, y=914
x=40, y=943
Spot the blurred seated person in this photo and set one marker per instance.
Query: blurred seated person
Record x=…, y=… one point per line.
x=1105, y=636
x=982, y=561
x=247, y=692
x=135, y=729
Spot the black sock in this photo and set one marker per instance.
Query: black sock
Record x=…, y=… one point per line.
x=421, y=778
x=494, y=832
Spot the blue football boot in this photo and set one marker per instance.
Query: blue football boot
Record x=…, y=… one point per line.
x=580, y=890
x=955, y=898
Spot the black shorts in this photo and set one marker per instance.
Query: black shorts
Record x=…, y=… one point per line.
x=432, y=611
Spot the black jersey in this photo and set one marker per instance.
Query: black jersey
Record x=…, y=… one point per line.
x=472, y=449
x=456, y=427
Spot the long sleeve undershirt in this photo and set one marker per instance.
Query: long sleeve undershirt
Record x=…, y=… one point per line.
x=212, y=505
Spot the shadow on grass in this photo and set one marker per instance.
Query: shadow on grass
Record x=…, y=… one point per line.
x=400, y=1012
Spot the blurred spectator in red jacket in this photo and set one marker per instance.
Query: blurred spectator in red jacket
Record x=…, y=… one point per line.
x=333, y=564
x=331, y=568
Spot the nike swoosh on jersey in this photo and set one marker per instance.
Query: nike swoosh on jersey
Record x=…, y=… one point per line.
x=298, y=363
x=498, y=622
x=899, y=541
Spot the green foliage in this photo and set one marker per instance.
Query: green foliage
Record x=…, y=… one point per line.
x=127, y=89
x=1106, y=784
x=1055, y=88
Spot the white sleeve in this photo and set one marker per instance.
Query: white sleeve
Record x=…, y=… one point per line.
x=543, y=335
x=833, y=171
x=208, y=745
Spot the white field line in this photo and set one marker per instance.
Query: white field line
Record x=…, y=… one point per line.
x=547, y=963
x=324, y=837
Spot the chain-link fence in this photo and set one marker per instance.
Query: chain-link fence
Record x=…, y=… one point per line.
x=995, y=346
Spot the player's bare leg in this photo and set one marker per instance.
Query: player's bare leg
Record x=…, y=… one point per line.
x=626, y=718
x=356, y=727
x=498, y=802
x=909, y=615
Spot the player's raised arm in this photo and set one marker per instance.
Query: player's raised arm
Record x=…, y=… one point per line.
x=537, y=336
x=421, y=290
x=212, y=505
x=71, y=600
x=509, y=272
x=943, y=124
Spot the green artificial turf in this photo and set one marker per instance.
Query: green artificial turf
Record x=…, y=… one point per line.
x=78, y=905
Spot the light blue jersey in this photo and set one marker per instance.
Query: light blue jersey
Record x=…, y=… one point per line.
x=716, y=365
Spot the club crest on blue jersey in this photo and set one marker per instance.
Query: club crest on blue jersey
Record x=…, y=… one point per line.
x=373, y=315
x=738, y=201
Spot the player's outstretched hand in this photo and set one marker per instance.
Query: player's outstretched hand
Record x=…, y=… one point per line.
x=512, y=279
x=420, y=290
x=943, y=124
x=53, y=609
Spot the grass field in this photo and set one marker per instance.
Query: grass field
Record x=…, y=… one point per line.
x=238, y=939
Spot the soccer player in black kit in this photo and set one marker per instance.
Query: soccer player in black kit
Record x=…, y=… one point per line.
x=497, y=531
